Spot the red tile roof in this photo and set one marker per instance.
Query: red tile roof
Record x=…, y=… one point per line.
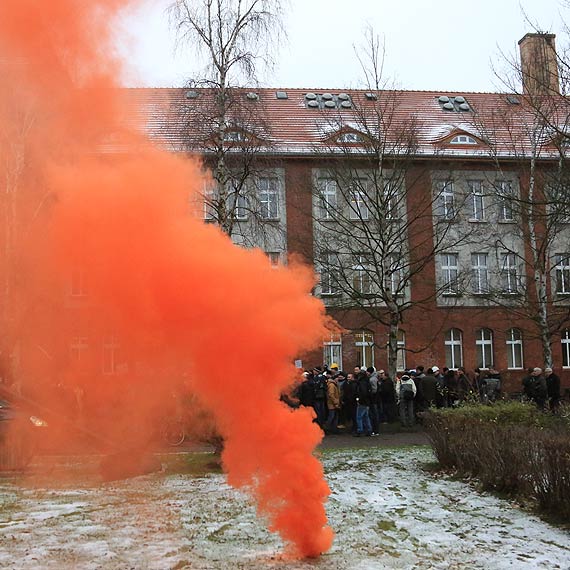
x=294, y=128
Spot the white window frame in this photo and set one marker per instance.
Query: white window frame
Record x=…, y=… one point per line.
x=477, y=201
x=446, y=199
x=562, y=273
x=505, y=196
x=327, y=281
x=359, y=202
x=362, y=280
x=332, y=350
x=350, y=137
x=401, y=354
x=394, y=275
x=450, y=273
x=515, y=349
x=391, y=201
x=462, y=139
x=509, y=277
x=268, y=195
x=454, y=344
x=565, y=342
x=484, y=348
x=328, y=198
x=364, y=344
x=480, y=273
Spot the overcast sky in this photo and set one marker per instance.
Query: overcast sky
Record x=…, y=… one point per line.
x=429, y=44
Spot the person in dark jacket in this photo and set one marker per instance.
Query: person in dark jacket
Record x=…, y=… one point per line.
x=363, y=398
x=430, y=388
x=553, y=389
x=387, y=394
x=348, y=403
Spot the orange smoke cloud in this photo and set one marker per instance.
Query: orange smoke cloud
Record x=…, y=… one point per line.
x=163, y=295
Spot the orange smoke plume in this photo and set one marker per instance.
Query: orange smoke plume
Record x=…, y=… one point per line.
x=101, y=254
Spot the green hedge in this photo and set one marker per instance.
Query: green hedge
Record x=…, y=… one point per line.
x=510, y=447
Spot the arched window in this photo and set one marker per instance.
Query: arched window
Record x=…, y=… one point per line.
x=350, y=137
x=484, y=344
x=453, y=348
x=364, y=348
x=514, y=348
x=565, y=348
x=462, y=139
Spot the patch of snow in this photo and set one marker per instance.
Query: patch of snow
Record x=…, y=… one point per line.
x=387, y=512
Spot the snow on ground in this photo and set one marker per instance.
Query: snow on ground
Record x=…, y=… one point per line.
x=387, y=513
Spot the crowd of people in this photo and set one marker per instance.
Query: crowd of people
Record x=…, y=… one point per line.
x=362, y=400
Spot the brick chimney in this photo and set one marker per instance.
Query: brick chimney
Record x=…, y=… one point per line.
x=539, y=64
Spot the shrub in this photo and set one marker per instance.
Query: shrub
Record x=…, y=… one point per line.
x=510, y=447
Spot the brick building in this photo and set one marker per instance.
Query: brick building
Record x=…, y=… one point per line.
x=436, y=220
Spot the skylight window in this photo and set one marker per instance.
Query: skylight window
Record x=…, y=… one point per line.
x=462, y=139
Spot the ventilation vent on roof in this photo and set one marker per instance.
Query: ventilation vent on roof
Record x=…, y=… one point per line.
x=310, y=96
x=313, y=103
x=281, y=95
x=327, y=96
x=346, y=104
x=458, y=103
x=252, y=96
x=513, y=100
x=343, y=97
x=371, y=96
x=191, y=94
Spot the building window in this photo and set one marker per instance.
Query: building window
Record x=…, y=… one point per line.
x=234, y=136
x=358, y=203
x=329, y=269
x=78, y=348
x=364, y=345
x=274, y=258
x=505, y=199
x=390, y=198
x=110, y=354
x=450, y=273
x=401, y=355
x=332, y=350
x=484, y=345
x=565, y=348
x=350, y=138
x=268, y=192
x=479, y=273
x=476, y=201
x=209, y=195
x=509, y=284
x=328, y=198
x=445, y=200
x=562, y=273
x=514, y=349
x=394, y=275
x=453, y=348
x=463, y=139
x=362, y=281
x=238, y=206
x=78, y=283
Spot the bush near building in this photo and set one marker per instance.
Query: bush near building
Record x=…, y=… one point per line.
x=509, y=447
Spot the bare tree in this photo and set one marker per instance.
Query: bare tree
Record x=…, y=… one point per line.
x=532, y=129
x=219, y=117
x=368, y=210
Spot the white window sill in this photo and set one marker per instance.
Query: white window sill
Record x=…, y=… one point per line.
x=476, y=221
